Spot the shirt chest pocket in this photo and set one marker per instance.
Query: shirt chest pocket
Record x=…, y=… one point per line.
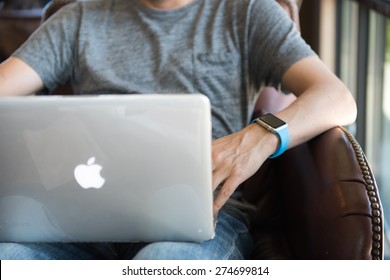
x=217, y=70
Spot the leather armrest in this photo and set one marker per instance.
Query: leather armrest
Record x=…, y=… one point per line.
x=317, y=201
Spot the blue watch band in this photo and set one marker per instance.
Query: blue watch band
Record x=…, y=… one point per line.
x=277, y=126
x=284, y=140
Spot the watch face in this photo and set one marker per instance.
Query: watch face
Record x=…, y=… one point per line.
x=272, y=120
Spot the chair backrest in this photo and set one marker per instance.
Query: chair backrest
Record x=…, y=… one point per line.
x=292, y=8
x=15, y=27
x=272, y=100
x=53, y=6
x=22, y=4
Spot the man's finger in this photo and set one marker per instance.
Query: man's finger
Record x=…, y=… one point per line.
x=225, y=193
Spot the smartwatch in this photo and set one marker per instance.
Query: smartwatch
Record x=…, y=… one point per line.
x=275, y=125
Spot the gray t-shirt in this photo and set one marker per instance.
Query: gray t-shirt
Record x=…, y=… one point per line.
x=224, y=49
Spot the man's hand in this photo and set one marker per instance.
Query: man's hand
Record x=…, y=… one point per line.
x=237, y=157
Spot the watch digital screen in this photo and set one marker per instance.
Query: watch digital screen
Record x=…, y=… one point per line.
x=272, y=120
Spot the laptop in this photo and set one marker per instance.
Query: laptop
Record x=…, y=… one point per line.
x=105, y=168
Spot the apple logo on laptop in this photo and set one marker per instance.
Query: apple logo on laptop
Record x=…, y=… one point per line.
x=88, y=176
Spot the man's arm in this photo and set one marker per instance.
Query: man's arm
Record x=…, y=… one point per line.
x=18, y=78
x=323, y=102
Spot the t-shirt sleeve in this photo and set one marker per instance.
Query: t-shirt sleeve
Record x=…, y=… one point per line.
x=274, y=43
x=50, y=50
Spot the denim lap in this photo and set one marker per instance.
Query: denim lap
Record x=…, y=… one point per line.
x=232, y=241
x=57, y=251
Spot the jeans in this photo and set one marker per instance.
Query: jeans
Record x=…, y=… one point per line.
x=232, y=241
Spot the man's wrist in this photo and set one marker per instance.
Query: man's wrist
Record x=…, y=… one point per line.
x=278, y=127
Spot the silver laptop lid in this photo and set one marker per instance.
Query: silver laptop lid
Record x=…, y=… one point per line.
x=106, y=168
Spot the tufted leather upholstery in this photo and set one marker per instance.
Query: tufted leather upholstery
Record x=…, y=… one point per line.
x=318, y=200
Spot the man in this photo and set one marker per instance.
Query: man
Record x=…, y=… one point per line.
x=225, y=49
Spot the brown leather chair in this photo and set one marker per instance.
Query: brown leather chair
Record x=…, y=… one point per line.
x=318, y=200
